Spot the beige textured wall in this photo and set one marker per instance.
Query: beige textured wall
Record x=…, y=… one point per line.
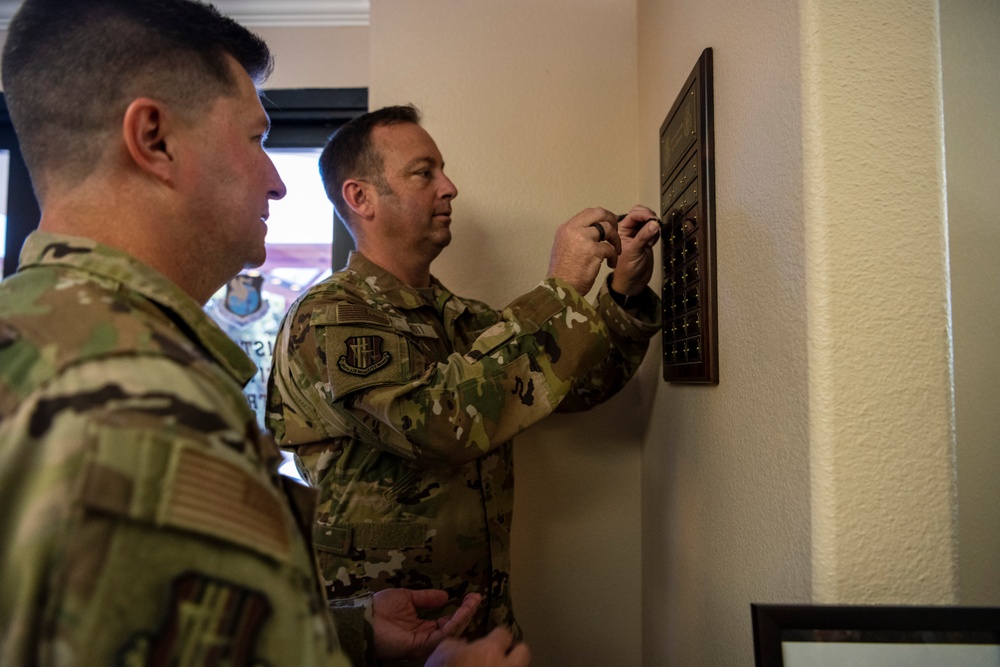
x=970, y=44
x=725, y=470
x=822, y=467
x=318, y=57
x=880, y=358
x=313, y=57
x=534, y=108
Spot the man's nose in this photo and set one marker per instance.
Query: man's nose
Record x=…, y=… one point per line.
x=277, y=189
x=449, y=191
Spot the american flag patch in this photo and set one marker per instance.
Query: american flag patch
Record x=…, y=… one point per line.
x=354, y=313
x=210, y=495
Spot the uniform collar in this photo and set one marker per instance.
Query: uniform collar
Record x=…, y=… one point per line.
x=395, y=291
x=48, y=249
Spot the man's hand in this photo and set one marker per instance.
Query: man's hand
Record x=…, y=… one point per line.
x=493, y=650
x=639, y=231
x=401, y=634
x=582, y=244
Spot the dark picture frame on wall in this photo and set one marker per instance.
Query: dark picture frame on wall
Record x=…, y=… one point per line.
x=875, y=636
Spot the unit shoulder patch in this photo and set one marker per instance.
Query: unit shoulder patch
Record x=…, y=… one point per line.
x=210, y=621
x=359, y=357
x=363, y=355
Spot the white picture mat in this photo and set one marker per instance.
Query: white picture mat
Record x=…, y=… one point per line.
x=865, y=654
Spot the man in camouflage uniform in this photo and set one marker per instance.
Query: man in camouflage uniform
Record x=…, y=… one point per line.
x=400, y=398
x=143, y=519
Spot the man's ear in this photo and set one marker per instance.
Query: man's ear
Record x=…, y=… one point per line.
x=357, y=194
x=146, y=130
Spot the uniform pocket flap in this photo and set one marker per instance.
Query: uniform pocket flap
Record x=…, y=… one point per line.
x=391, y=535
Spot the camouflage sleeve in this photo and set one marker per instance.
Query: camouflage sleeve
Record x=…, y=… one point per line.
x=140, y=526
x=515, y=373
x=630, y=334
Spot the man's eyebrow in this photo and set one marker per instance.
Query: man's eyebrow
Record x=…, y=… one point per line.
x=412, y=164
x=261, y=125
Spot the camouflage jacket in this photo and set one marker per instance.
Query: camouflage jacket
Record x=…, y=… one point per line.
x=400, y=407
x=143, y=520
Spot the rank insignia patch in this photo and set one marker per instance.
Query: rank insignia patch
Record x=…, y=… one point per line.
x=211, y=622
x=364, y=355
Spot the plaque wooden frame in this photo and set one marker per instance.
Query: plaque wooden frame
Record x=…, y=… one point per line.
x=687, y=208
